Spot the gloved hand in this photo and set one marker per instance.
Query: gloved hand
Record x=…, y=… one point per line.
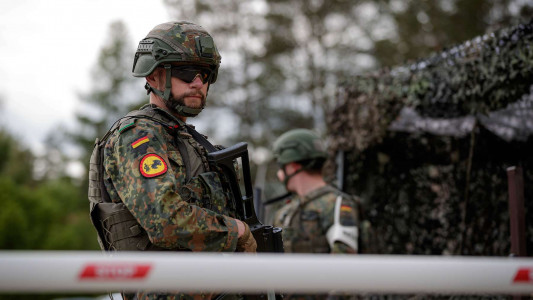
x=246, y=242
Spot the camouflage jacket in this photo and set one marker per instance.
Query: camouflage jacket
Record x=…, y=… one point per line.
x=306, y=223
x=307, y=220
x=175, y=197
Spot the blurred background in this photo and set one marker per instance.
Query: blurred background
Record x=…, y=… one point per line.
x=65, y=77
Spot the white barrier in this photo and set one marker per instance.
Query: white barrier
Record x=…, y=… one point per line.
x=43, y=271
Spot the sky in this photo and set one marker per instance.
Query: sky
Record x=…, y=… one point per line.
x=47, y=50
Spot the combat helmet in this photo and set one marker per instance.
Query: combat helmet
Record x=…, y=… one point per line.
x=172, y=42
x=298, y=145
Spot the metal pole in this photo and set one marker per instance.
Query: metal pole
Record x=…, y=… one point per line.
x=340, y=169
x=516, y=211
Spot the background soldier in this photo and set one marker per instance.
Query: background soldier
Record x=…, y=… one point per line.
x=151, y=186
x=318, y=218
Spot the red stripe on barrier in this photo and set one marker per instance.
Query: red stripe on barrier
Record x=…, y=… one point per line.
x=523, y=276
x=103, y=271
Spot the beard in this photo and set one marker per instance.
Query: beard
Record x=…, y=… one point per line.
x=180, y=100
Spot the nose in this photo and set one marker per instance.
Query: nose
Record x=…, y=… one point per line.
x=280, y=175
x=197, y=81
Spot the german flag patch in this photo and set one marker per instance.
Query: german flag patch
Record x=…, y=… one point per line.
x=152, y=165
x=140, y=141
x=346, y=208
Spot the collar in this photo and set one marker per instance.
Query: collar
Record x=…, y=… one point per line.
x=317, y=193
x=165, y=113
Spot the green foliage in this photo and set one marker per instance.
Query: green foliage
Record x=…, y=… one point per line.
x=17, y=163
x=49, y=214
x=424, y=27
x=48, y=217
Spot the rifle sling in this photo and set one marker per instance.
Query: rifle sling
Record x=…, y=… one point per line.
x=200, y=139
x=277, y=199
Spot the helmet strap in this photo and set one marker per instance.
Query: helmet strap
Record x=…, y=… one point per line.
x=165, y=95
x=288, y=177
x=168, y=83
x=186, y=111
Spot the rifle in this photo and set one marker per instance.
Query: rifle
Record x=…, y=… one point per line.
x=268, y=238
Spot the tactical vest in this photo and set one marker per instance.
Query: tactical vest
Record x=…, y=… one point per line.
x=117, y=228
x=299, y=225
x=303, y=230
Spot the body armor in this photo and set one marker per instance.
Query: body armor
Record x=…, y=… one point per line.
x=315, y=223
x=117, y=228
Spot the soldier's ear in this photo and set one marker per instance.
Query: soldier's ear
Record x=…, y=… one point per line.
x=292, y=167
x=155, y=79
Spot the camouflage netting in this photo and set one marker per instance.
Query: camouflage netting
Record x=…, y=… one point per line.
x=427, y=146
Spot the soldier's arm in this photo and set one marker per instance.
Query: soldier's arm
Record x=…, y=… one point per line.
x=147, y=182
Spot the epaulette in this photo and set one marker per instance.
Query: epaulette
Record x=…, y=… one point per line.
x=127, y=127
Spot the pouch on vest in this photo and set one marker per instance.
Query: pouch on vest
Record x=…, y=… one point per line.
x=121, y=230
x=206, y=190
x=116, y=227
x=311, y=238
x=97, y=193
x=216, y=192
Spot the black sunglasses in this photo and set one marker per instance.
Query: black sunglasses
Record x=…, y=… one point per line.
x=189, y=73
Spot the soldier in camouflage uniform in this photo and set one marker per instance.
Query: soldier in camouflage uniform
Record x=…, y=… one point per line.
x=151, y=187
x=318, y=218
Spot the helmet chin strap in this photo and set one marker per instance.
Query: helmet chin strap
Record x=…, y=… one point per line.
x=165, y=95
x=186, y=111
x=287, y=177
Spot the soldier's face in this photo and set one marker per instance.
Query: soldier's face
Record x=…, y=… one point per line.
x=191, y=94
x=286, y=171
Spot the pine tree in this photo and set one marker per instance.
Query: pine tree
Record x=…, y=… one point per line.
x=114, y=90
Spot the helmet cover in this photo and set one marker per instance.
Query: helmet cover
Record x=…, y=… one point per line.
x=176, y=42
x=298, y=145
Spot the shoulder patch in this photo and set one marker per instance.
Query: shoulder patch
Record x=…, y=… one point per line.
x=346, y=208
x=152, y=165
x=140, y=141
x=126, y=127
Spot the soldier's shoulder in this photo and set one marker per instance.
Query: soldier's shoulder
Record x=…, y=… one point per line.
x=285, y=210
x=321, y=202
x=348, y=197
x=345, y=196
x=132, y=128
x=328, y=193
x=328, y=198
x=140, y=123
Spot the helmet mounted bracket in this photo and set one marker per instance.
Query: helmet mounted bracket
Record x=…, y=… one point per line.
x=205, y=46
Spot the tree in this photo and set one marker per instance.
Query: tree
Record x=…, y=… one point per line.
x=17, y=162
x=35, y=212
x=425, y=27
x=114, y=90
